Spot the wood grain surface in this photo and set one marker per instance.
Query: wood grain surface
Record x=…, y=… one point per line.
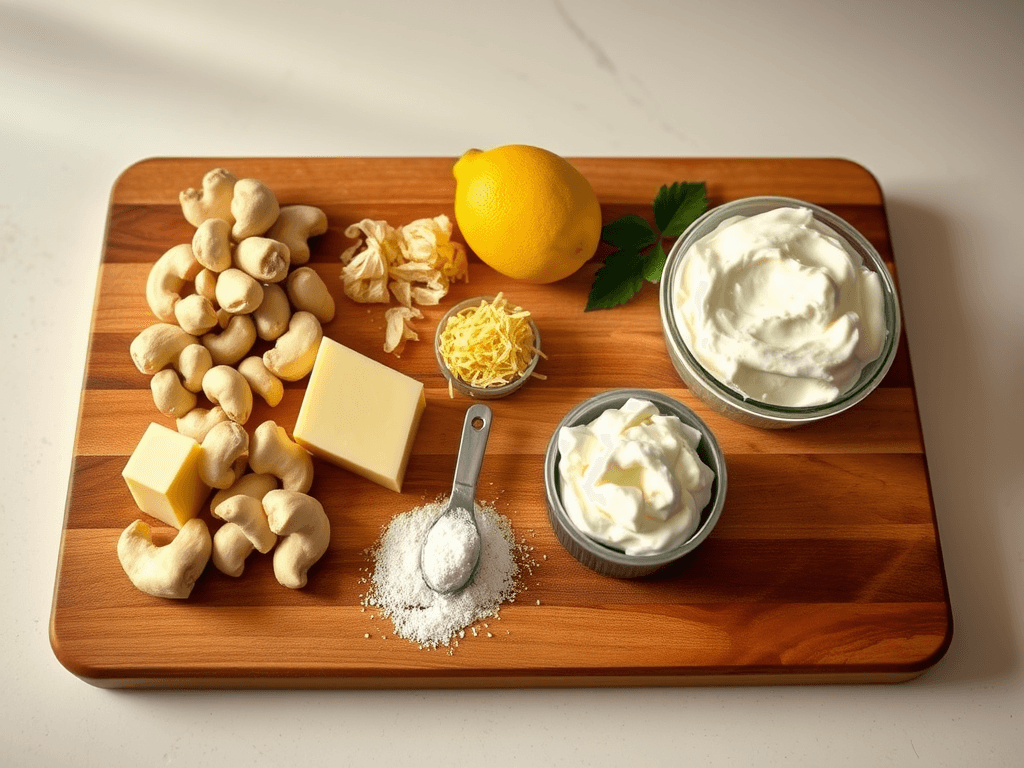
x=825, y=567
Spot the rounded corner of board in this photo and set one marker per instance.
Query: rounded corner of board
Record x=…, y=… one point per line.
x=861, y=169
x=71, y=663
x=941, y=649
x=139, y=166
x=911, y=670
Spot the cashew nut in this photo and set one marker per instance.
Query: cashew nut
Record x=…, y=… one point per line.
x=272, y=452
x=195, y=314
x=247, y=513
x=250, y=484
x=226, y=387
x=211, y=244
x=230, y=549
x=230, y=345
x=212, y=202
x=254, y=207
x=167, y=278
x=272, y=316
x=242, y=515
x=237, y=292
x=305, y=530
x=307, y=291
x=171, y=570
x=198, y=422
x=295, y=225
x=159, y=346
x=231, y=545
x=171, y=398
x=261, y=381
x=224, y=454
x=193, y=363
x=294, y=352
x=263, y=258
x=206, y=284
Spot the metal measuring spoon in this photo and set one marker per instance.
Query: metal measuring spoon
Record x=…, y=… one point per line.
x=461, y=507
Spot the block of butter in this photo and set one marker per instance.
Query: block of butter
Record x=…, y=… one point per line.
x=360, y=414
x=163, y=476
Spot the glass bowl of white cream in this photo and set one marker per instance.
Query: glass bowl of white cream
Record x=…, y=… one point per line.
x=776, y=312
x=634, y=480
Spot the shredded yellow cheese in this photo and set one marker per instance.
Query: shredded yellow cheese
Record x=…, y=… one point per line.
x=489, y=345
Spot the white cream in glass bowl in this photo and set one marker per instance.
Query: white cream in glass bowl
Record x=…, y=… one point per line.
x=777, y=312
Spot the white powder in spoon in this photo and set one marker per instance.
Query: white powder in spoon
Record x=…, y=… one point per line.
x=418, y=613
x=450, y=551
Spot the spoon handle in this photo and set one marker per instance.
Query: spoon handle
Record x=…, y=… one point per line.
x=475, y=429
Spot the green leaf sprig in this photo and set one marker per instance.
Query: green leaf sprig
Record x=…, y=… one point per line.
x=641, y=253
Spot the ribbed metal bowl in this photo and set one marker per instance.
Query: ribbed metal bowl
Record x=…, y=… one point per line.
x=599, y=557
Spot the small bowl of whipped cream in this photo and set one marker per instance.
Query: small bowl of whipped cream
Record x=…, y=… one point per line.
x=634, y=480
x=776, y=312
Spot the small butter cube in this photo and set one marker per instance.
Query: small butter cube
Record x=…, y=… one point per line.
x=163, y=476
x=360, y=414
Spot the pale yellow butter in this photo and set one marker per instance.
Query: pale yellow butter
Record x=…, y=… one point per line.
x=163, y=476
x=360, y=414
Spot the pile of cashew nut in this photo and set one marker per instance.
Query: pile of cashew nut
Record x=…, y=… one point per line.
x=242, y=278
x=258, y=515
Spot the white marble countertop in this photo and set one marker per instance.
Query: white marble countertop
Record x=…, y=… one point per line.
x=927, y=95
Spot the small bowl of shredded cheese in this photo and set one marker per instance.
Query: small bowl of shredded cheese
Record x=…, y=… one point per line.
x=487, y=348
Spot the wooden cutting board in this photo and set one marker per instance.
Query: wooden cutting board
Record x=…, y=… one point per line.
x=825, y=567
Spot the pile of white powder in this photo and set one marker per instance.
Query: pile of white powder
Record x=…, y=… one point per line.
x=419, y=614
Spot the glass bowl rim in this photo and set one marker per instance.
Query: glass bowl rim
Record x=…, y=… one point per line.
x=871, y=375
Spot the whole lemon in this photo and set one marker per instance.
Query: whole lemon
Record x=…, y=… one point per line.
x=526, y=212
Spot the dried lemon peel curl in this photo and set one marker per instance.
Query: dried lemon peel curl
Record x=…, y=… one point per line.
x=416, y=263
x=399, y=329
x=489, y=345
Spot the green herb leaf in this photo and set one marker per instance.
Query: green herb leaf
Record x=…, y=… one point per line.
x=640, y=253
x=654, y=264
x=617, y=281
x=678, y=206
x=629, y=232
